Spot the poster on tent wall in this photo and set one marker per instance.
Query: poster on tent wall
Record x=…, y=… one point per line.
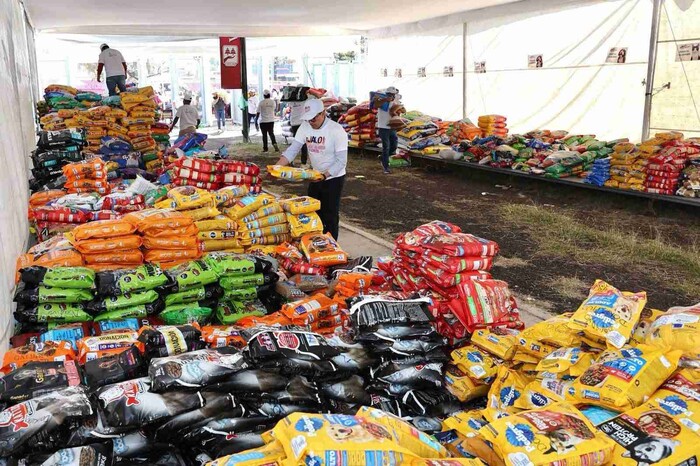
x=617, y=55
x=230, y=58
x=534, y=61
x=688, y=52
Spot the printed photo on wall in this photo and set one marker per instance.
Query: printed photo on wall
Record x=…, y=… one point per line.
x=398, y=73
x=534, y=61
x=688, y=52
x=448, y=71
x=383, y=72
x=617, y=55
x=480, y=67
x=421, y=72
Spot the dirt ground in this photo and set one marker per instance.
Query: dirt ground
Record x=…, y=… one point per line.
x=555, y=240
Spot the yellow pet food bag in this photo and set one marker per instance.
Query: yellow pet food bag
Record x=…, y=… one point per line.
x=475, y=362
x=609, y=313
x=504, y=392
x=186, y=197
x=622, y=379
x=219, y=222
x=302, y=224
x=463, y=387
x=294, y=174
x=677, y=332
x=201, y=213
x=466, y=423
x=301, y=205
x=645, y=320
x=225, y=197
x=664, y=430
x=542, y=392
x=249, y=204
x=322, y=250
x=271, y=454
x=555, y=435
x=569, y=361
x=499, y=342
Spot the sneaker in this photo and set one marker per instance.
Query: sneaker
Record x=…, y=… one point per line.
x=387, y=171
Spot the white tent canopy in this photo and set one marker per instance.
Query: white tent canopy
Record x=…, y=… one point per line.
x=261, y=18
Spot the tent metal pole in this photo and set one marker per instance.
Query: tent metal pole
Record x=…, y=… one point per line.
x=464, y=70
x=244, y=85
x=651, y=67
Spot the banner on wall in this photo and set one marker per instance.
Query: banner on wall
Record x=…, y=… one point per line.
x=534, y=61
x=617, y=55
x=688, y=52
x=231, y=61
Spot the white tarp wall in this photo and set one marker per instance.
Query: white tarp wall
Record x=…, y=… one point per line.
x=575, y=90
x=17, y=91
x=677, y=108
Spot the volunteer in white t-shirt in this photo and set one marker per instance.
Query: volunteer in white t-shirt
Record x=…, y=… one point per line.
x=187, y=115
x=253, y=111
x=327, y=144
x=388, y=135
x=112, y=61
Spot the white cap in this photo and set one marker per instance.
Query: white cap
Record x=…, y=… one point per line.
x=187, y=96
x=391, y=90
x=312, y=107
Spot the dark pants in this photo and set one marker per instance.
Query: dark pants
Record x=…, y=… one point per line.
x=256, y=120
x=245, y=128
x=268, y=129
x=389, y=143
x=328, y=192
x=114, y=82
x=304, y=152
x=221, y=118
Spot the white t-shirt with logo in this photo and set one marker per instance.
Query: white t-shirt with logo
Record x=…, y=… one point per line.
x=323, y=144
x=296, y=113
x=188, y=116
x=112, y=60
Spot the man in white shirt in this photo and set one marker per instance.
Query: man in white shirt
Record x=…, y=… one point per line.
x=297, y=110
x=267, y=120
x=187, y=115
x=112, y=61
x=327, y=144
x=388, y=135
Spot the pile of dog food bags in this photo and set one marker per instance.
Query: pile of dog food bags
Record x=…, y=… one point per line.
x=54, y=150
x=360, y=124
x=215, y=174
x=493, y=125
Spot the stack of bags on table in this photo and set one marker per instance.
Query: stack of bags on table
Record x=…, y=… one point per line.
x=169, y=237
x=493, y=125
x=108, y=244
x=453, y=267
x=420, y=133
x=86, y=177
x=329, y=100
x=627, y=167
x=260, y=221
x=599, y=173
x=562, y=164
x=337, y=110
x=462, y=130
x=665, y=166
x=53, y=296
x=54, y=150
x=62, y=214
x=360, y=123
x=690, y=181
x=301, y=215
x=216, y=174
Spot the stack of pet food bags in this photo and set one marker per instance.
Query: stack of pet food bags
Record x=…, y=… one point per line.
x=690, y=180
x=54, y=150
x=141, y=109
x=197, y=204
x=169, y=237
x=599, y=173
x=94, y=123
x=406, y=379
x=665, y=166
x=54, y=252
x=216, y=174
x=360, y=124
x=191, y=293
x=419, y=134
x=627, y=168
x=462, y=130
x=46, y=297
x=161, y=134
x=493, y=125
x=337, y=110
x=218, y=231
x=260, y=221
x=243, y=280
x=62, y=214
x=59, y=97
x=302, y=216
x=119, y=153
x=108, y=244
x=86, y=177
x=453, y=266
x=115, y=205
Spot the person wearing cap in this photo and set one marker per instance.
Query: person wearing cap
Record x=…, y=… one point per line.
x=253, y=108
x=219, y=107
x=187, y=115
x=388, y=135
x=267, y=120
x=112, y=61
x=327, y=143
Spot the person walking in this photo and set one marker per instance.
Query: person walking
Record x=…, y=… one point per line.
x=187, y=116
x=219, y=106
x=112, y=61
x=297, y=110
x=253, y=110
x=327, y=143
x=388, y=135
x=267, y=120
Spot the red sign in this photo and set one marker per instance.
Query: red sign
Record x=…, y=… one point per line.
x=230, y=58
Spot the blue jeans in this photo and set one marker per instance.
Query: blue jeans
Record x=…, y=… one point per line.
x=116, y=81
x=221, y=118
x=389, y=144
